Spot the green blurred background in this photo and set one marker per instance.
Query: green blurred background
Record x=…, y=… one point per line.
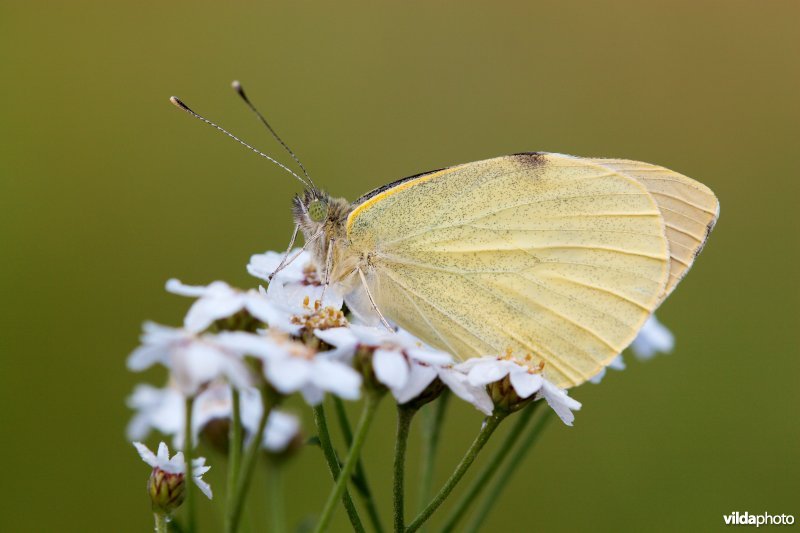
x=106, y=191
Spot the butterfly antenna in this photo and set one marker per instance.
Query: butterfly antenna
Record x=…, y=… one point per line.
x=240, y=91
x=179, y=104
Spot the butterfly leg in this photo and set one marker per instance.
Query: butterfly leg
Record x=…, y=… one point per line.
x=372, y=301
x=284, y=263
x=328, y=267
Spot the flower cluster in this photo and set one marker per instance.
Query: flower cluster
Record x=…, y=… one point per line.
x=294, y=336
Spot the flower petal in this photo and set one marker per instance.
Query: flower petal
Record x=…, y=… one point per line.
x=597, y=378
x=337, y=378
x=146, y=455
x=281, y=429
x=312, y=394
x=210, y=308
x=244, y=343
x=419, y=378
x=163, y=452
x=525, y=383
x=459, y=383
x=560, y=402
x=653, y=338
x=391, y=368
x=262, y=265
x=342, y=338
x=204, y=487
x=488, y=371
x=194, y=365
x=144, y=357
x=288, y=374
x=430, y=356
x=176, y=287
x=258, y=305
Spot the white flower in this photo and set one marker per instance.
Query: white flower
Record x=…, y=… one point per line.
x=403, y=363
x=164, y=410
x=176, y=464
x=192, y=359
x=282, y=428
x=618, y=363
x=559, y=401
x=654, y=337
x=291, y=366
x=219, y=300
x=159, y=409
x=484, y=371
x=297, y=287
x=263, y=265
x=458, y=382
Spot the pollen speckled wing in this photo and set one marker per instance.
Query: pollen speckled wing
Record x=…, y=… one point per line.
x=554, y=257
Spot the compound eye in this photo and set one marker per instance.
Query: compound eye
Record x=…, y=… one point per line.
x=317, y=210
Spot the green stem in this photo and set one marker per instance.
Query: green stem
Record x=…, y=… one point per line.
x=434, y=420
x=321, y=420
x=370, y=407
x=486, y=431
x=512, y=465
x=187, y=456
x=234, y=445
x=360, y=476
x=404, y=417
x=276, y=498
x=161, y=522
x=247, y=466
x=485, y=476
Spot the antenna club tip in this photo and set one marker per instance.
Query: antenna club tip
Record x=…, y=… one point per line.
x=239, y=89
x=174, y=100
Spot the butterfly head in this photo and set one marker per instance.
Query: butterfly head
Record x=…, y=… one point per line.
x=320, y=216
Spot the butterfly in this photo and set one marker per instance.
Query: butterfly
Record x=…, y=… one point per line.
x=556, y=260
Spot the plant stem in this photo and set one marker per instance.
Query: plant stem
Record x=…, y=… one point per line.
x=360, y=476
x=511, y=466
x=490, y=424
x=433, y=421
x=161, y=522
x=276, y=499
x=234, y=445
x=187, y=455
x=404, y=417
x=370, y=407
x=485, y=476
x=247, y=466
x=321, y=421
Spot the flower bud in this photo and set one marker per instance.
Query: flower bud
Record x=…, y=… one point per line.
x=167, y=490
x=505, y=397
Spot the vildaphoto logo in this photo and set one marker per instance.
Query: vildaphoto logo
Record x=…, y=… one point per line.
x=746, y=519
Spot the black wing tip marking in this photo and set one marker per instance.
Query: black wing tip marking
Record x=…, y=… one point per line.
x=531, y=158
x=709, y=228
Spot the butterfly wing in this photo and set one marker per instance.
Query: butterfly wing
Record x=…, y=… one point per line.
x=556, y=258
x=689, y=209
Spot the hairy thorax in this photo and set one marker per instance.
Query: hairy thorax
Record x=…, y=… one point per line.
x=327, y=238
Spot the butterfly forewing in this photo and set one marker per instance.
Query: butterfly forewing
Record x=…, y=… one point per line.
x=554, y=257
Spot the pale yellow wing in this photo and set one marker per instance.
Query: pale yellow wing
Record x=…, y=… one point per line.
x=554, y=257
x=689, y=208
